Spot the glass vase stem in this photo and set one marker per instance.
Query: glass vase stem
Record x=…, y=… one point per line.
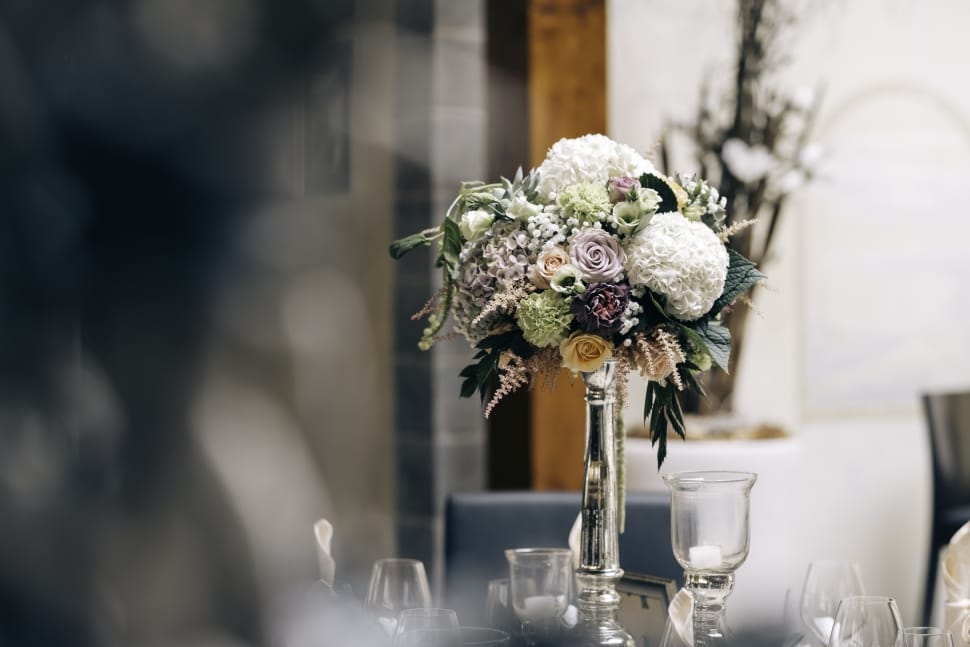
x=599, y=563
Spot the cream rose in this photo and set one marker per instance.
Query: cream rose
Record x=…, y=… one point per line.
x=585, y=352
x=547, y=264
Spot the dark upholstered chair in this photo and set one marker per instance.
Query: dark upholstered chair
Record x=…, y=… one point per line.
x=480, y=526
x=948, y=422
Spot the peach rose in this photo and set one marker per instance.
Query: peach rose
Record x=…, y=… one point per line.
x=585, y=352
x=547, y=264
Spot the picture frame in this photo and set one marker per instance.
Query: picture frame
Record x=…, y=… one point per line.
x=644, y=600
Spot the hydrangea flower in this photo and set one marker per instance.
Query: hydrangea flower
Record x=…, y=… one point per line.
x=590, y=159
x=682, y=260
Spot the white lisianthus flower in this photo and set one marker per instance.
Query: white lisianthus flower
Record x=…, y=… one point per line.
x=568, y=280
x=590, y=159
x=474, y=223
x=682, y=260
x=521, y=209
x=626, y=217
x=630, y=217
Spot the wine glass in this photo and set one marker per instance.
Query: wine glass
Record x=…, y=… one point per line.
x=396, y=585
x=428, y=628
x=498, y=614
x=926, y=637
x=826, y=583
x=539, y=584
x=867, y=621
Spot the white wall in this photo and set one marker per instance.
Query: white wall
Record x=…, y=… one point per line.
x=867, y=295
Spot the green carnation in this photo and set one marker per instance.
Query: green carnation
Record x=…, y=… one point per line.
x=586, y=202
x=544, y=318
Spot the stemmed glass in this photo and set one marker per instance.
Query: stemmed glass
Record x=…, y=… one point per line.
x=926, y=637
x=710, y=533
x=539, y=584
x=396, y=585
x=826, y=583
x=498, y=613
x=867, y=621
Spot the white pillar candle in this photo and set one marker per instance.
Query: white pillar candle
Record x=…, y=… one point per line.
x=702, y=557
x=538, y=608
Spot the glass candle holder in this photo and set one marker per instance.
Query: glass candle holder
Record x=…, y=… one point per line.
x=539, y=587
x=710, y=533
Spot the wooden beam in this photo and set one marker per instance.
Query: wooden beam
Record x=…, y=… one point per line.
x=567, y=98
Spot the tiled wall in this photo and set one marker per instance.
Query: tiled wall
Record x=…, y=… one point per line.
x=439, y=141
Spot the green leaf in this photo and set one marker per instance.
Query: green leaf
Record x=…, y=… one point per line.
x=690, y=382
x=717, y=339
x=451, y=244
x=668, y=200
x=401, y=247
x=468, y=387
x=648, y=401
x=676, y=416
x=742, y=274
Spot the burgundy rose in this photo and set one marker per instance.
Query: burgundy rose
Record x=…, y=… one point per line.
x=600, y=308
x=620, y=187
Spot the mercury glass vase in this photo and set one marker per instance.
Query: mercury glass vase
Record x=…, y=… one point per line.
x=599, y=563
x=710, y=532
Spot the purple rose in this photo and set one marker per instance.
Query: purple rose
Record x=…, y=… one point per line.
x=597, y=255
x=600, y=308
x=620, y=187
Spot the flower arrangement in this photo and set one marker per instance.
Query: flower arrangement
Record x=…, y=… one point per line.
x=593, y=255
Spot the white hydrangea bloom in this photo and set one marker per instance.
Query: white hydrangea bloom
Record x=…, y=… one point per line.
x=587, y=159
x=682, y=260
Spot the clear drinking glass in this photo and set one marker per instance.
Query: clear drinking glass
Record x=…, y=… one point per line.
x=396, y=585
x=867, y=621
x=428, y=628
x=926, y=637
x=826, y=583
x=539, y=585
x=710, y=533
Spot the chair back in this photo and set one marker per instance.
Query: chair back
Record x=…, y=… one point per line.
x=479, y=526
x=948, y=420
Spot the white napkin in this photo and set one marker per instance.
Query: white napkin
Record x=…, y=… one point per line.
x=956, y=586
x=680, y=615
x=575, y=533
x=323, y=531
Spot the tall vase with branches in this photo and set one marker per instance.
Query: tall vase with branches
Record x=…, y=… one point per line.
x=752, y=140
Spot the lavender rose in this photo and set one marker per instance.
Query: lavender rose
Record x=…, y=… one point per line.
x=600, y=309
x=620, y=187
x=597, y=255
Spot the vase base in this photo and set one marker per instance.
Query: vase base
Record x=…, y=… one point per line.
x=608, y=634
